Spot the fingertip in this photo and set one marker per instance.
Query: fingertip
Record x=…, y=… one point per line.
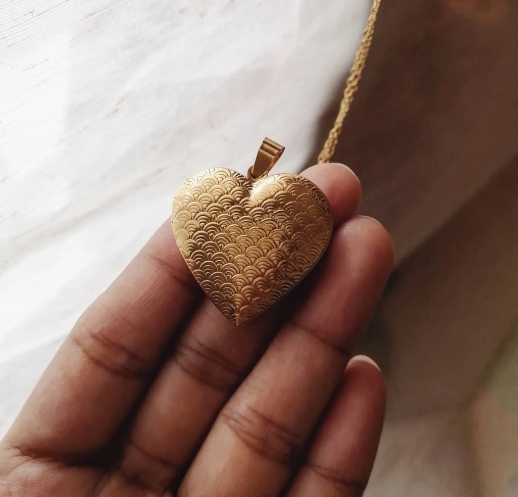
x=375, y=239
x=368, y=379
x=347, y=168
x=341, y=187
x=383, y=234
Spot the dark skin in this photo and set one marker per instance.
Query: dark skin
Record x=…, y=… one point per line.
x=154, y=393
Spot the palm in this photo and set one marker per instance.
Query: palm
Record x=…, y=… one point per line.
x=154, y=393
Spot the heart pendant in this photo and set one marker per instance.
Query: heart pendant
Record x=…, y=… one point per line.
x=249, y=241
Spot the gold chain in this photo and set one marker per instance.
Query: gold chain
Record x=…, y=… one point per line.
x=351, y=85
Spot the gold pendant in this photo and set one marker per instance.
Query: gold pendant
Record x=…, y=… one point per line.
x=249, y=241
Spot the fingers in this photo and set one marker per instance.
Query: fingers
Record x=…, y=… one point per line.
x=341, y=457
x=209, y=362
x=110, y=355
x=258, y=439
x=341, y=187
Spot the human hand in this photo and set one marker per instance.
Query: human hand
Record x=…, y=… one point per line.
x=154, y=393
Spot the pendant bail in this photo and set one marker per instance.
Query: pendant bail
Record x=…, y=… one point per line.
x=267, y=156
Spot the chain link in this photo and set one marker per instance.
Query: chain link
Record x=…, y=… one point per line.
x=351, y=86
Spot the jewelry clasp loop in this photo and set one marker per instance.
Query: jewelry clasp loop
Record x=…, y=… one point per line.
x=267, y=156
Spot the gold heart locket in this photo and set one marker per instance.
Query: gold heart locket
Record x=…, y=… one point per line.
x=248, y=241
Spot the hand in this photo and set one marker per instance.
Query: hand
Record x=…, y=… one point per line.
x=154, y=393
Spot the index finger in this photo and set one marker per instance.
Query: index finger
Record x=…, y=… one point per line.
x=110, y=355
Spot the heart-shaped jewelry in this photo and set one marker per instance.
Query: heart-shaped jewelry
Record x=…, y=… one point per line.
x=249, y=241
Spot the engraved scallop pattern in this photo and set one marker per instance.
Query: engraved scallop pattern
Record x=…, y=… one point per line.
x=248, y=244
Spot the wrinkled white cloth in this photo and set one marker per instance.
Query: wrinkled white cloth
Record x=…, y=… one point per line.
x=106, y=106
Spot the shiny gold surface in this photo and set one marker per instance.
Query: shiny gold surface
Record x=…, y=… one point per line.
x=351, y=85
x=267, y=156
x=248, y=243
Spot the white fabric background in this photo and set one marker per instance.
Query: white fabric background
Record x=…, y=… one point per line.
x=106, y=106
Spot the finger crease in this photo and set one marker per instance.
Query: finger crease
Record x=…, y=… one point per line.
x=341, y=350
x=164, y=265
x=133, y=480
x=265, y=436
x=134, y=477
x=344, y=485
x=59, y=459
x=208, y=365
x=154, y=458
x=111, y=356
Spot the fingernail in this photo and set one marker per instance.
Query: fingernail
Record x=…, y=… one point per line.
x=371, y=219
x=365, y=358
x=346, y=167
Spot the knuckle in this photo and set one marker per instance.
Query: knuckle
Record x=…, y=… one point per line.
x=345, y=486
x=265, y=436
x=144, y=469
x=208, y=365
x=319, y=335
x=100, y=347
x=178, y=273
x=133, y=480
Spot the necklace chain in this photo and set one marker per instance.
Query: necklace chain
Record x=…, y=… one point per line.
x=351, y=86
